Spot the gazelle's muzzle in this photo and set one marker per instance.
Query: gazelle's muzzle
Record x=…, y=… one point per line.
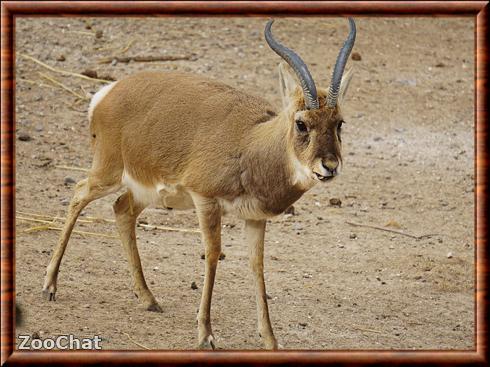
x=326, y=169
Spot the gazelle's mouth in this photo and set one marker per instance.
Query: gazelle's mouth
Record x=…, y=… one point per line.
x=323, y=178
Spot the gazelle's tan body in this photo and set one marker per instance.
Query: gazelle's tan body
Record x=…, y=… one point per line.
x=164, y=146
x=187, y=141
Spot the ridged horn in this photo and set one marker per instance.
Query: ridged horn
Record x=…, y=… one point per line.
x=298, y=65
x=338, y=70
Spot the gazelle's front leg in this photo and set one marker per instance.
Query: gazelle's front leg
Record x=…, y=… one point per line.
x=209, y=213
x=254, y=234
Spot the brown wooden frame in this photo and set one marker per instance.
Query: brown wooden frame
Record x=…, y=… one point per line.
x=478, y=10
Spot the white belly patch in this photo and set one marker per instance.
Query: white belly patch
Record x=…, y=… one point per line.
x=171, y=196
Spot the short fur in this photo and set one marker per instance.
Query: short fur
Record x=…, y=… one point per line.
x=190, y=141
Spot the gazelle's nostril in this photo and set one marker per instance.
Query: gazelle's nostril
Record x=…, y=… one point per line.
x=330, y=166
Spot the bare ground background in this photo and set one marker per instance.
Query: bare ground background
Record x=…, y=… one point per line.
x=408, y=148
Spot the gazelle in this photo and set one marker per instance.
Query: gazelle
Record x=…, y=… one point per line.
x=190, y=142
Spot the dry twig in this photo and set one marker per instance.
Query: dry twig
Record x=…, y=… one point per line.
x=60, y=71
x=135, y=342
x=170, y=229
x=42, y=228
x=149, y=226
x=127, y=47
x=53, y=219
x=54, y=81
x=37, y=83
x=389, y=230
x=90, y=220
x=82, y=32
x=126, y=59
x=73, y=168
x=369, y=330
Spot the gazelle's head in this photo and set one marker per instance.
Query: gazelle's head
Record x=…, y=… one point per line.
x=313, y=116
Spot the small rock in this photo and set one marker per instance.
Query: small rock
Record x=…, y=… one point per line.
x=24, y=137
x=297, y=227
x=203, y=256
x=193, y=285
x=449, y=255
x=356, y=56
x=335, y=202
x=352, y=236
x=61, y=58
x=99, y=33
x=114, y=62
x=35, y=335
x=290, y=210
x=303, y=324
x=65, y=202
x=409, y=82
x=440, y=65
x=69, y=181
x=268, y=296
x=90, y=73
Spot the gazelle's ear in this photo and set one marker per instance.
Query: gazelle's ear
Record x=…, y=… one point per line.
x=287, y=83
x=344, y=84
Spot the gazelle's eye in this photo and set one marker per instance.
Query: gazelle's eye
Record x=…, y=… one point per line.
x=300, y=125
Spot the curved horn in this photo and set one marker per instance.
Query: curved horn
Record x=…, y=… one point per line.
x=299, y=67
x=338, y=70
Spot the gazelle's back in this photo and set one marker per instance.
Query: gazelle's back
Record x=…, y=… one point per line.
x=175, y=127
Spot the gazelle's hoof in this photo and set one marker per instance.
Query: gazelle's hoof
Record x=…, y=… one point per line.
x=207, y=343
x=270, y=343
x=154, y=307
x=49, y=293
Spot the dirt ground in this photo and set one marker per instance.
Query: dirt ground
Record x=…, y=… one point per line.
x=408, y=166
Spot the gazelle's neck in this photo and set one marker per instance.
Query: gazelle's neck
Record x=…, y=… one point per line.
x=270, y=167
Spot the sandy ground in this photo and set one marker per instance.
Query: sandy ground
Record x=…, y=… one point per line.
x=408, y=163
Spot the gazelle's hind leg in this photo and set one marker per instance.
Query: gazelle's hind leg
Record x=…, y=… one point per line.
x=86, y=191
x=127, y=210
